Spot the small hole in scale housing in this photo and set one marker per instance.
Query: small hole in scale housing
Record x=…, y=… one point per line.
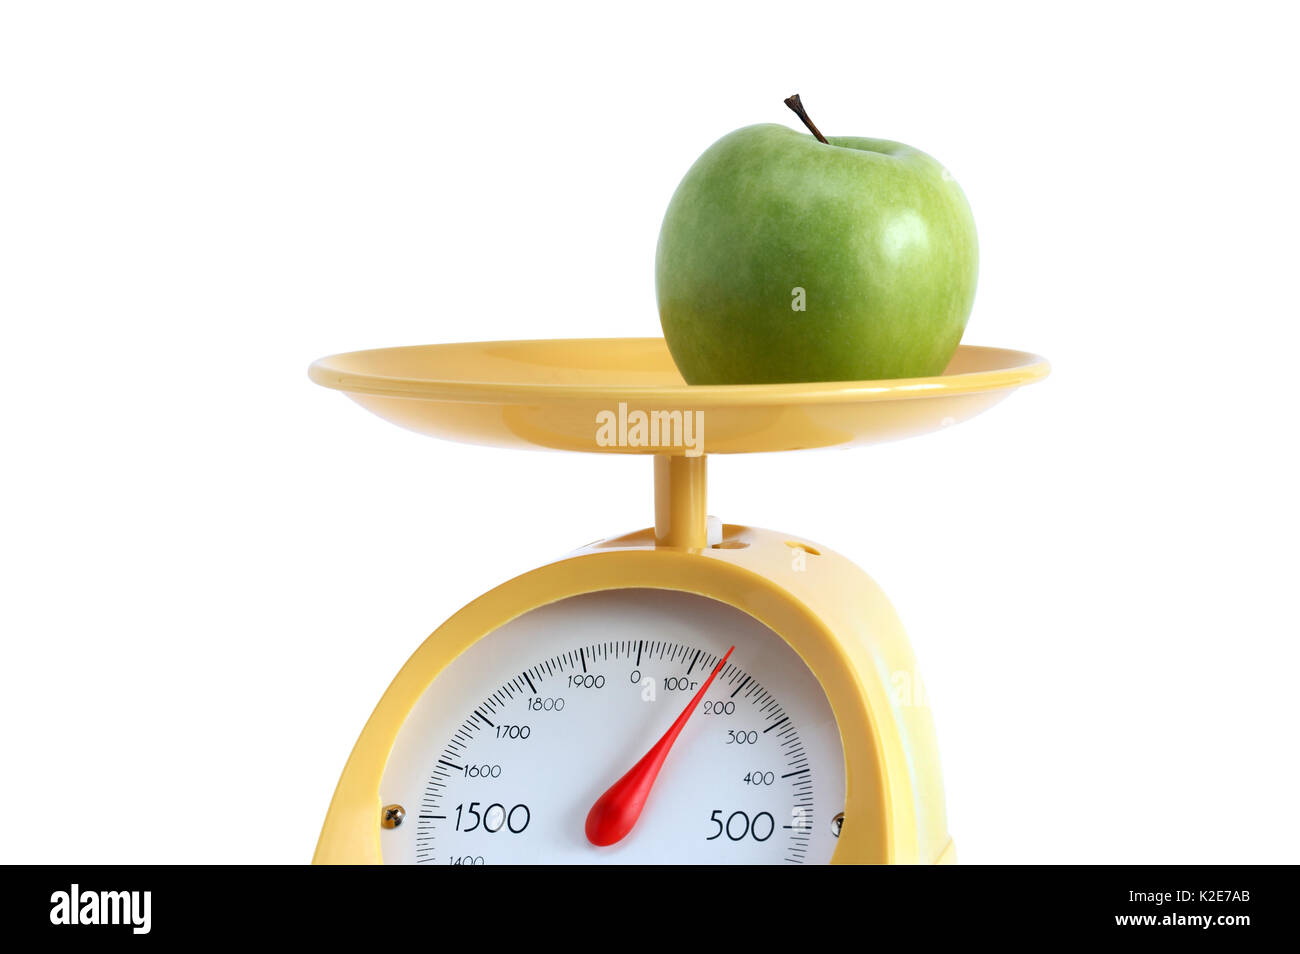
x=796, y=545
x=730, y=545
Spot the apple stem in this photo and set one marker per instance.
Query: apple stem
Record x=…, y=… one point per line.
x=794, y=103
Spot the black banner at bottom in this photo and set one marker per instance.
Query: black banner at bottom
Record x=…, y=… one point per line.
x=138, y=904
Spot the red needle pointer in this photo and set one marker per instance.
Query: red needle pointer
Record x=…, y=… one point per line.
x=616, y=812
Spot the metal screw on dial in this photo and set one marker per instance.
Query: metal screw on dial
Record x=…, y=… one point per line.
x=837, y=824
x=392, y=816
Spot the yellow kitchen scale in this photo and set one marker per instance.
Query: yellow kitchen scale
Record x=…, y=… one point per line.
x=694, y=692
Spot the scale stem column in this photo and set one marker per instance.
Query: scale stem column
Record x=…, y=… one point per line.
x=681, y=493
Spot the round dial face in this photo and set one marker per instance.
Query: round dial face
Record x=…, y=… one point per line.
x=505, y=756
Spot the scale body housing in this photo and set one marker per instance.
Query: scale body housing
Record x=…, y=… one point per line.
x=831, y=614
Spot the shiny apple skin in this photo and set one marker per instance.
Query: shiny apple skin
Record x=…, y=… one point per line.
x=878, y=236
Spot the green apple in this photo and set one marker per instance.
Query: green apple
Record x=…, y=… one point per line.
x=786, y=258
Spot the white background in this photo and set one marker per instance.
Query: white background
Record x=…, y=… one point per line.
x=211, y=569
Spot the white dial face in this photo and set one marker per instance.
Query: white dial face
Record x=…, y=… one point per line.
x=504, y=756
